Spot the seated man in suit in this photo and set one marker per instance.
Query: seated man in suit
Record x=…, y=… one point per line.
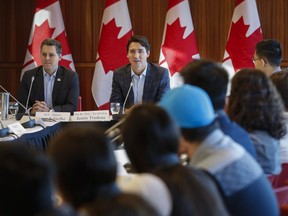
x=150, y=81
x=53, y=87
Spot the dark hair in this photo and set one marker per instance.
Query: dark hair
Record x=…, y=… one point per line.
x=209, y=76
x=255, y=104
x=149, y=135
x=193, y=192
x=270, y=50
x=123, y=204
x=280, y=80
x=200, y=133
x=139, y=39
x=52, y=42
x=85, y=164
x=26, y=180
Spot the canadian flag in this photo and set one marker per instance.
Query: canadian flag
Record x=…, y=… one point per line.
x=115, y=32
x=245, y=33
x=47, y=23
x=179, y=43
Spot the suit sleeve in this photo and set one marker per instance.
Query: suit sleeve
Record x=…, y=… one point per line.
x=71, y=100
x=164, y=84
x=117, y=93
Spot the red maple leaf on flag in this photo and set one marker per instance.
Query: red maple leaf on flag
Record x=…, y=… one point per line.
x=40, y=32
x=241, y=48
x=177, y=50
x=112, y=51
x=65, y=49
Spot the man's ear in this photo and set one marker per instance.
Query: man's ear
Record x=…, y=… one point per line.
x=148, y=54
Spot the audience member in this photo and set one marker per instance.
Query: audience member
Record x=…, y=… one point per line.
x=144, y=185
x=245, y=188
x=85, y=166
x=213, y=79
x=268, y=56
x=26, y=181
x=53, y=87
x=150, y=81
x=255, y=104
x=280, y=80
x=151, y=140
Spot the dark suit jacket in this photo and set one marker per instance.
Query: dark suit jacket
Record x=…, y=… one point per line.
x=65, y=91
x=157, y=82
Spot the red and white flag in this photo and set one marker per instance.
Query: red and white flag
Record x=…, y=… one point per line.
x=245, y=33
x=179, y=42
x=115, y=32
x=47, y=23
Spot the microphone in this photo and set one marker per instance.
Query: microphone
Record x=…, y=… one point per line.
x=124, y=104
x=31, y=122
x=29, y=93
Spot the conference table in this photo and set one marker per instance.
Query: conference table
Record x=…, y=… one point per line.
x=38, y=137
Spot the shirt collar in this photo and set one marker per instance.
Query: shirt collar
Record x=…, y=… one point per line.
x=45, y=73
x=142, y=74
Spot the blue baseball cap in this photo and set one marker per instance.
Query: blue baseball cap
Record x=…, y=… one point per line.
x=189, y=106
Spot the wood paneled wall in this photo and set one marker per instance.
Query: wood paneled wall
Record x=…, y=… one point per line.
x=82, y=18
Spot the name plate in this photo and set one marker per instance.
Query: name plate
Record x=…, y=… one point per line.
x=17, y=128
x=55, y=116
x=99, y=115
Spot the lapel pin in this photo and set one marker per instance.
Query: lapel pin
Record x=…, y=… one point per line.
x=59, y=79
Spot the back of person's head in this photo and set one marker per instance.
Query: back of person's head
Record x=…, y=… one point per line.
x=255, y=104
x=85, y=165
x=26, y=180
x=146, y=184
x=192, y=110
x=211, y=77
x=280, y=80
x=150, y=137
x=270, y=50
x=52, y=42
x=193, y=191
x=139, y=39
x=123, y=204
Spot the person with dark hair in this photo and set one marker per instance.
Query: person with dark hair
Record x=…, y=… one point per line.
x=26, y=181
x=213, y=79
x=151, y=141
x=255, y=104
x=268, y=56
x=53, y=87
x=149, y=80
x=85, y=165
x=245, y=188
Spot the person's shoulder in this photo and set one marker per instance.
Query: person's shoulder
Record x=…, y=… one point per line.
x=32, y=72
x=157, y=67
x=66, y=70
x=123, y=68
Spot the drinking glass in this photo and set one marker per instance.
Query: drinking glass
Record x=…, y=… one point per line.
x=13, y=108
x=115, y=108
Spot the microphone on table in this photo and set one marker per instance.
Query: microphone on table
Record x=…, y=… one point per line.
x=124, y=104
x=31, y=122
